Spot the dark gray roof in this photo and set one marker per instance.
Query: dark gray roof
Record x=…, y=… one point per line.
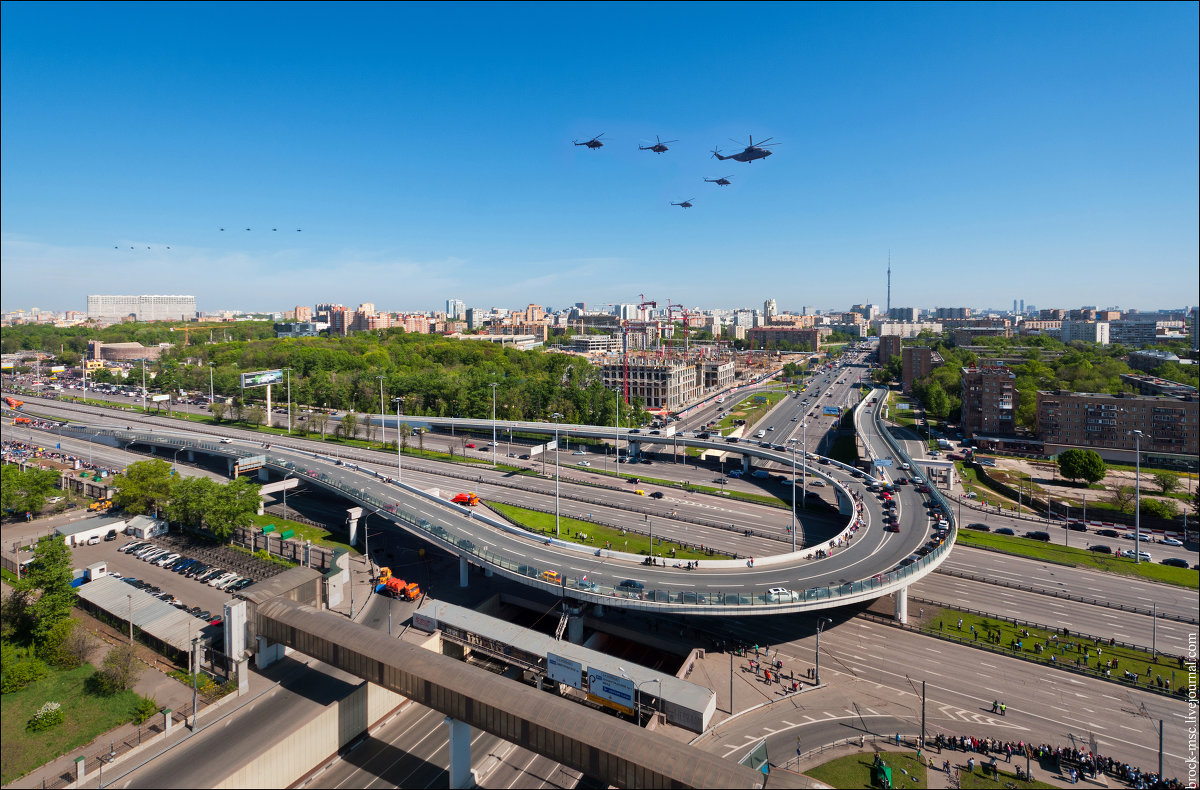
x=157, y=618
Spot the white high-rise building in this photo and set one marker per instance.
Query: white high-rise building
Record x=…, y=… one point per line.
x=770, y=310
x=456, y=309
x=142, y=308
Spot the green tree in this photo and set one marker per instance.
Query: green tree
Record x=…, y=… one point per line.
x=144, y=487
x=26, y=489
x=349, y=425
x=1123, y=498
x=46, y=587
x=1076, y=464
x=1167, y=482
x=1159, y=508
x=256, y=414
x=232, y=506
x=119, y=670
x=191, y=498
x=67, y=644
x=320, y=422
x=218, y=411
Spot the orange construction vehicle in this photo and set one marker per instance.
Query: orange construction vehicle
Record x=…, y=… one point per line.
x=22, y=421
x=13, y=403
x=398, y=588
x=469, y=499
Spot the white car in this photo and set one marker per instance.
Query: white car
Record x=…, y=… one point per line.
x=579, y=452
x=1171, y=542
x=817, y=483
x=585, y=463
x=221, y=579
x=225, y=440
x=781, y=595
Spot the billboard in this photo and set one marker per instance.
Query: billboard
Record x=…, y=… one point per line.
x=564, y=670
x=611, y=690
x=249, y=463
x=830, y=410
x=261, y=378
x=58, y=369
x=159, y=398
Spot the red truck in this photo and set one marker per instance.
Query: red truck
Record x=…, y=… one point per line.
x=398, y=588
x=468, y=499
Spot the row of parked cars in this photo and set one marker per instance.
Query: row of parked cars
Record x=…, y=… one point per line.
x=211, y=575
x=167, y=597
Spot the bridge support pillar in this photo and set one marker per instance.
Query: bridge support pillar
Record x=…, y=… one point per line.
x=229, y=467
x=575, y=628
x=487, y=572
x=191, y=456
x=745, y=464
x=901, y=596
x=353, y=514
x=263, y=476
x=463, y=569
x=460, y=753
x=268, y=653
x=261, y=506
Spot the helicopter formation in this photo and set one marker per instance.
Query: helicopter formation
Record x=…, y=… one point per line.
x=753, y=151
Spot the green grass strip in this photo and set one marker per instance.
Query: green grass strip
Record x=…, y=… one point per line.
x=598, y=535
x=854, y=770
x=1069, y=555
x=1066, y=650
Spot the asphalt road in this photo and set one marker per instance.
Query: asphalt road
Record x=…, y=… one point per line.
x=870, y=666
x=868, y=554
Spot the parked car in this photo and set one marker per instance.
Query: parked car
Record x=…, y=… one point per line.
x=1101, y=548
x=979, y=527
x=1108, y=533
x=1175, y=562
x=1035, y=534
x=1171, y=542
x=1005, y=531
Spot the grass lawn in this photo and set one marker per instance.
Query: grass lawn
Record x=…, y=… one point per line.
x=1036, y=549
x=597, y=535
x=944, y=622
x=319, y=536
x=87, y=716
x=751, y=410
x=746, y=496
x=976, y=779
x=854, y=770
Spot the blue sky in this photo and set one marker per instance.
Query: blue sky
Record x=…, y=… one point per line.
x=1045, y=152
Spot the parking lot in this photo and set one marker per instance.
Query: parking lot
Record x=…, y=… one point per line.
x=189, y=591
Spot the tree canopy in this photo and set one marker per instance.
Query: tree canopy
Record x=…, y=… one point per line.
x=1076, y=464
x=144, y=487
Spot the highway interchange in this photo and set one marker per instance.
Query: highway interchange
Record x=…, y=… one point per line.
x=864, y=656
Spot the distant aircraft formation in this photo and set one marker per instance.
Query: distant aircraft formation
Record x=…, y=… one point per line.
x=273, y=230
x=752, y=151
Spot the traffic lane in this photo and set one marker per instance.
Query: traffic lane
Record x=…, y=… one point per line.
x=228, y=740
x=1086, y=583
x=1044, y=704
x=605, y=570
x=1170, y=636
x=102, y=455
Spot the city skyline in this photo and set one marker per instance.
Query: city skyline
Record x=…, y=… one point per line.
x=988, y=148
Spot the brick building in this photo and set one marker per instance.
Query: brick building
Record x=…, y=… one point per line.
x=1105, y=423
x=989, y=402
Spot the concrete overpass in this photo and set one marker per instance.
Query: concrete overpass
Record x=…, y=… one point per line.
x=861, y=568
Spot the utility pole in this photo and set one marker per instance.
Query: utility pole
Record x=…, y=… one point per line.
x=922, y=714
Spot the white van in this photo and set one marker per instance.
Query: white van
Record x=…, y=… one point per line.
x=760, y=434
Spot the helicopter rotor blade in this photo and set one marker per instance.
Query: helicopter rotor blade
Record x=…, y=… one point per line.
x=764, y=142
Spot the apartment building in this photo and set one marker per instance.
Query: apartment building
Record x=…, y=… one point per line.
x=1087, y=331
x=917, y=362
x=772, y=336
x=1106, y=423
x=989, y=401
x=889, y=346
x=660, y=384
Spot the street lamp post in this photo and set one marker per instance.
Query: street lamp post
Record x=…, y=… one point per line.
x=493, y=385
x=556, y=417
x=399, y=442
x=804, y=469
x=210, y=385
x=289, y=406
x=143, y=384
x=1137, y=501
x=792, y=442
x=382, y=417
x=637, y=703
x=821, y=623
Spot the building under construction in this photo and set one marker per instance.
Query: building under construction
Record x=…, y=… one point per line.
x=669, y=382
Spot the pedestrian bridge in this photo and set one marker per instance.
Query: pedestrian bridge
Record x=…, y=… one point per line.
x=601, y=746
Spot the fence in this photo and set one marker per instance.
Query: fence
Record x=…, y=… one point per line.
x=119, y=745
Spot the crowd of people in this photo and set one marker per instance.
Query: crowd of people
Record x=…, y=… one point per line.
x=1066, y=760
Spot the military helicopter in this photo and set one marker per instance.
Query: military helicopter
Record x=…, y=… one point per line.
x=685, y=204
x=659, y=148
x=723, y=181
x=594, y=143
x=751, y=153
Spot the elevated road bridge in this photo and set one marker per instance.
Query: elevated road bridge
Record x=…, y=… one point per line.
x=862, y=564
